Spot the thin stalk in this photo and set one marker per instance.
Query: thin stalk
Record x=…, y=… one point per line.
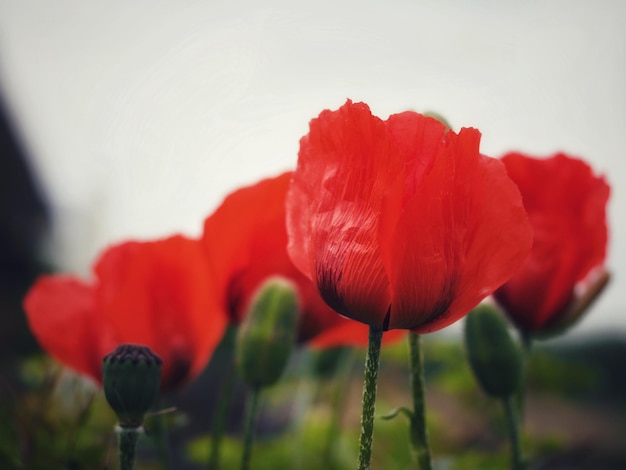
x=251, y=416
x=526, y=340
x=127, y=441
x=224, y=400
x=419, y=432
x=510, y=410
x=372, y=361
x=158, y=432
x=221, y=413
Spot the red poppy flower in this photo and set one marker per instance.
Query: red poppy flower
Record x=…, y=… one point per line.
x=152, y=293
x=401, y=223
x=246, y=242
x=566, y=205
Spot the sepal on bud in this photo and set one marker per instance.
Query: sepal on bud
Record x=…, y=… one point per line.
x=268, y=332
x=494, y=357
x=131, y=375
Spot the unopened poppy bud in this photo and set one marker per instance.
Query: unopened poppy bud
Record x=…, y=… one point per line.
x=131, y=375
x=267, y=334
x=493, y=355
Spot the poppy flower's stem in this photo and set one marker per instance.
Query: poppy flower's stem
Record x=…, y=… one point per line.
x=526, y=340
x=251, y=416
x=419, y=432
x=372, y=361
x=127, y=441
x=510, y=410
x=221, y=413
x=158, y=432
x=224, y=400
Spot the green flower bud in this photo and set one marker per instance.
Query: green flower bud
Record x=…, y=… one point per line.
x=268, y=332
x=493, y=355
x=131, y=375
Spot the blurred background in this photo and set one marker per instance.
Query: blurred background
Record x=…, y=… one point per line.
x=134, y=119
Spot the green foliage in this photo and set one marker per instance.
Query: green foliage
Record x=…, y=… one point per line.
x=560, y=376
x=482, y=461
x=326, y=362
x=9, y=442
x=279, y=452
x=307, y=448
x=59, y=419
x=395, y=353
x=589, y=369
x=52, y=419
x=446, y=366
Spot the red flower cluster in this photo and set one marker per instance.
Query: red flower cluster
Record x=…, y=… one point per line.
x=566, y=205
x=177, y=295
x=402, y=223
x=153, y=293
x=399, y=224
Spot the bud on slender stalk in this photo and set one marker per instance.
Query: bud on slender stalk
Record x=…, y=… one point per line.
x=498, y=364
x=264, y=343
x=494, y=357
x=267, y=334
x=131, y=375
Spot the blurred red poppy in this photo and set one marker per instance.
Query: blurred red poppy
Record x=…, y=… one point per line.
x=151, y=293
x=402, y=223
x=566, y=205
x=246, y=242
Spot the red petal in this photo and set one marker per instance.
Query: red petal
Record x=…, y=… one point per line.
x=246, y=241
x=410, y=232
x=566, y=204
x=499, y=237
x=62, y=314
x=160, y=294
x=344, y=168
x=461, y=231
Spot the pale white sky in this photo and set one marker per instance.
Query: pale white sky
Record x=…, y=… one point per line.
x=142, y=115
